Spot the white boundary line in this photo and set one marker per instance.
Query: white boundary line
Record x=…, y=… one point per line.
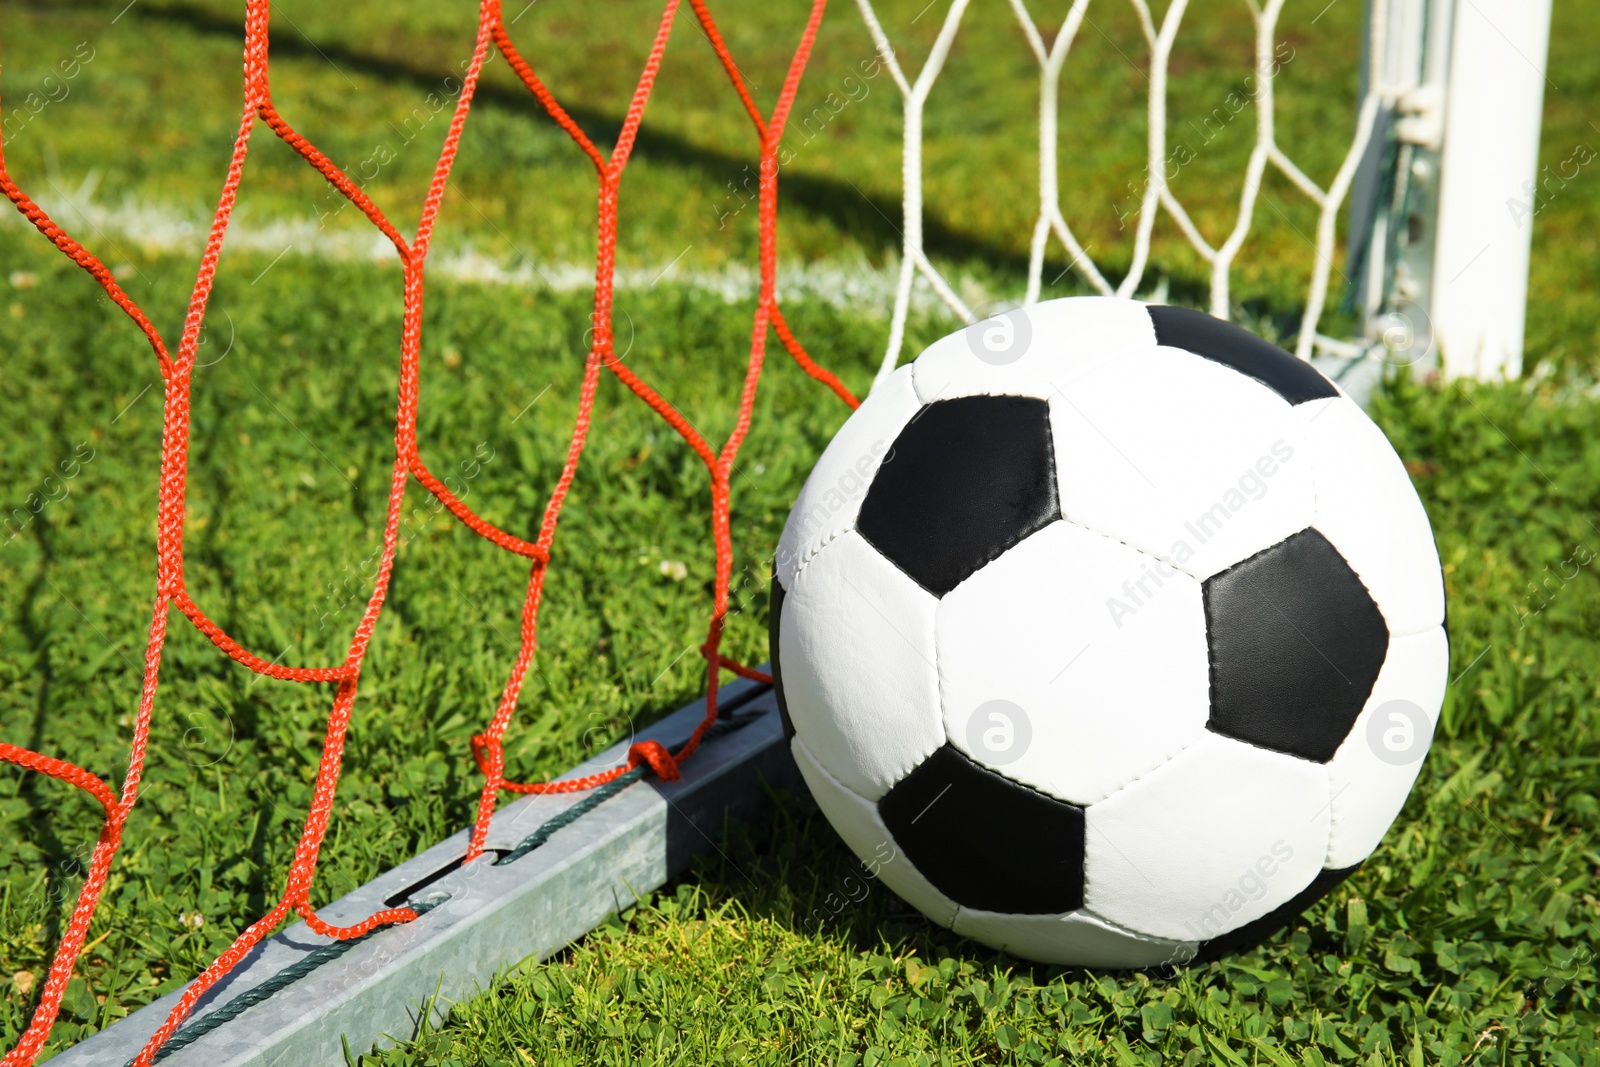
x=847, y=284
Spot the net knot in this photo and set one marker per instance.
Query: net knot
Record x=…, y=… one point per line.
x=659, y=759
x=487, y=752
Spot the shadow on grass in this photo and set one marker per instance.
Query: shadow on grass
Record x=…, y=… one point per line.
x=790, y=868
x=871, y=215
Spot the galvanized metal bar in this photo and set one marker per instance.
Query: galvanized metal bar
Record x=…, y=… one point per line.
x=484, y=917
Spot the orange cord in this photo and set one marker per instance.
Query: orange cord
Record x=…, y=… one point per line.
x=177, y=371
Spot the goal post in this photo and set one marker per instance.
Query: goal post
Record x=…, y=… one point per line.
x=1489, y=184
x=1441, y=230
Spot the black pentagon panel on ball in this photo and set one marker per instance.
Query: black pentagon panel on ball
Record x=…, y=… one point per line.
x=774, y=620
x=1254, y=933
x=985, y=841
x=1222, y=342
x=967, y=479
x=1295, y=644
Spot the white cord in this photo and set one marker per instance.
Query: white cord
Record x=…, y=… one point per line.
x=1156, y=196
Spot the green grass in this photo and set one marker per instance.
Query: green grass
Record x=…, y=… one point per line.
x=1467, y=938
x=153, y=113
x=289, y=472
x=145, y=126
x=150, y=117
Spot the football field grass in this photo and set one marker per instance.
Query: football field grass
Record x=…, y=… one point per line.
x=1469, y=938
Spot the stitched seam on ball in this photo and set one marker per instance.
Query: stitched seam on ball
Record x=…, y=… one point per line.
x=1316, y=495
x=1211, y=655
x=1142, y=551
x=1427, y=629
x=812, y=553
x=1333, y=818
x=923, y=405
x=833, y=778
x=1200, y=736
x=904, y=769
x=817, y=551
x=1316, y=520
x=872, y=806
x=1316, y=515
x=1086, y=879
x=939, y=677
x=1168, y=757
x=1128, y=931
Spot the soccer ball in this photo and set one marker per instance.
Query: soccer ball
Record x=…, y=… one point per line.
x=1109, y=634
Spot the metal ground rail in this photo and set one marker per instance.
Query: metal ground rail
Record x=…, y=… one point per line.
x=298, y=1000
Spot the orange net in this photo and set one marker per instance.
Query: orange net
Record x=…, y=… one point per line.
x=177, y=369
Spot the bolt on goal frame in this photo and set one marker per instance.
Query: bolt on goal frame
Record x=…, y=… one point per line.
x=1439, y=149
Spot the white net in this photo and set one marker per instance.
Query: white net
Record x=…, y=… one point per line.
x=1220, y=254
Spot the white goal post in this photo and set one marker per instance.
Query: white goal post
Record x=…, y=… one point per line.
x=1491, y=173
x=1444, y=145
